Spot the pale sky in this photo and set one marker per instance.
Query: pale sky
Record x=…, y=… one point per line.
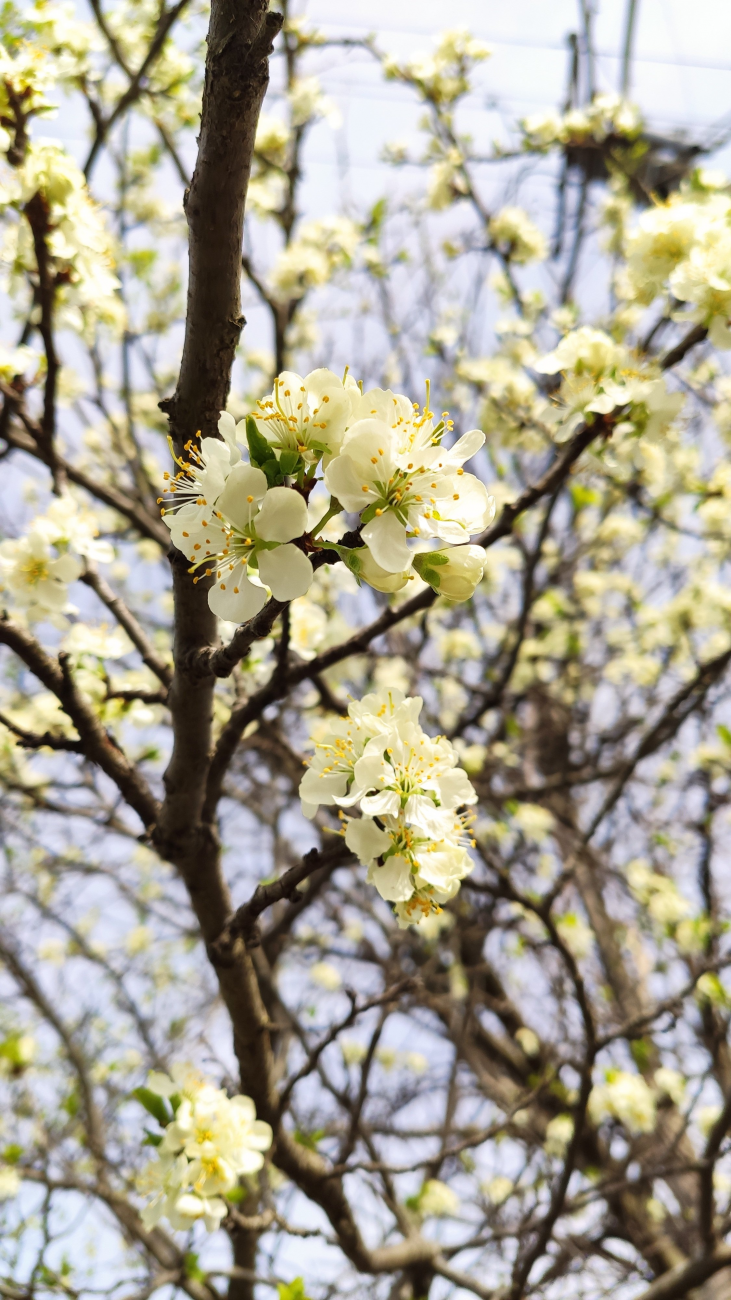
x=681, y=71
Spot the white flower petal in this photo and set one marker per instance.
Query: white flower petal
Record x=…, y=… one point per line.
x=386, y=540
x=236, y=600
x=466, y=447
x=286, y=570
x=283, y=516
x=366, y=840
x=245, y=489
x=66, y=568
x=393, y=880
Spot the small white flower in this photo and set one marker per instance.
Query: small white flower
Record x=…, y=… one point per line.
x=36, y=576
x=9, y=1182
x=437, y=1200
x=625, y=1097
x=250, y=530
x=381, y=760
x=207, y=1146
x=326, y=975
x=528, y=1040
x=454, y=572
x=498, y=1189
x=307, y=416
x=512, y=230
x=559, y=1132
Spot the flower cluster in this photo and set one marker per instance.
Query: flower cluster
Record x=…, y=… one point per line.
x=36, y=569
x=319, y=249
x=443, y=76
x=601, y=376
x=75, y=233
x=606, y=115
x=413, y=833
x=624, y=1097
x=682, y=249
x=517, y=237
x=383, y=461
x=25, y=77
x=208, y=1142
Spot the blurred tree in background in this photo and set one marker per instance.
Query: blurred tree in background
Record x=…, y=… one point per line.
x=476, y=1045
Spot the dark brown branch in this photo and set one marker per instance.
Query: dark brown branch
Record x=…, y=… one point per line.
x=30, y=740
x=166, y=20
x=696, y=335
x=244, y=924
x=98, y=745
x=679, y=1282
x=680, y=707
x=30, y=439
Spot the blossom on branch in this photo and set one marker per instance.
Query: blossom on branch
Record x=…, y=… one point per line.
x=413, y=832
x=383, y=459
x=209, y=1141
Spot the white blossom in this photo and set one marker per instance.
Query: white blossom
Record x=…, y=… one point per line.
x=559, y=1132
x=249, y=530
x=512, y=230
x=412, y=833
x=326, y=975
x=209, y=1142
x=9, y=1182
x=393, y=468
x=37, y=568
x=625, y=1097
x=498, y=1189
x=437, y=1200
x=36, y=577
x=307, y=416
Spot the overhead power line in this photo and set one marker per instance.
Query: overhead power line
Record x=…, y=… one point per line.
x=521, y=42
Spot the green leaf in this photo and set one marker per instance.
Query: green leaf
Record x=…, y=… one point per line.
x=12, y=1154
x=273, y=472
x=309, y=1140
x=192, y=1267
x=350, y=557
x=289, y=462
x=724, y=734
x=152, y=1139
x=260, y=450
x=426, y=564
x=378, y=213
x=71, y=1104
x=432, y=577
x=641, y=1051
x=583, y=496
x=294, y=1290
x=235, y=1196
x=153, y=1104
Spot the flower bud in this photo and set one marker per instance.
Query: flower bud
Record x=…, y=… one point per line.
x=363, y=565
x=454, y=572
